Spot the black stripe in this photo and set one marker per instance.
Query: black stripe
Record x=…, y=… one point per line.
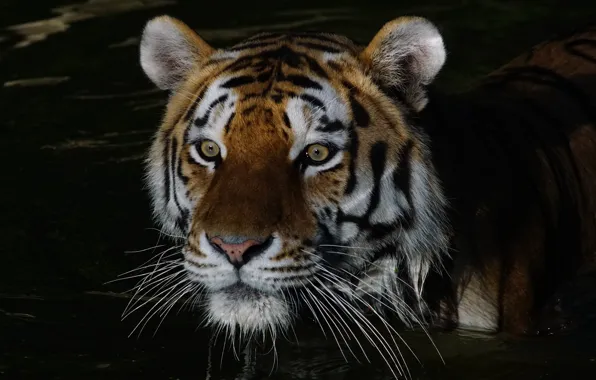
x=182, y=220
x=313, y=35
x=317, y=46
x=238, y=81
x=403, y=173
x=322, y=38
x=195, y=104
x=302, y=81
x=202, y=121
x=314, y=101
x=241, y=64
x=179, y=171
x=377, y=230
x=315, y=67
x=166, y=155
x=334, y=65
x=378, y=158
x=229, y=122
x=541, y=76
x=360, y=115
x=380, y=230
x=249, y=110
x=331, y=127
x=282, y=54
x=291, y=57
x=252, y=45
x=268, y=114
x=264, y=77
x=173, y=164
x=571, y=48
x=251, y=95
x=351, y=185
x=221, y=99
x=286, y=136
x=287, y=121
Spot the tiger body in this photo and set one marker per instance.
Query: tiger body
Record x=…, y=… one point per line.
x=343, y=175
x=517, y=158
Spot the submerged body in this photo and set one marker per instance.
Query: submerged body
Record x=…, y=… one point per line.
x=517, y=158
x=304, y=172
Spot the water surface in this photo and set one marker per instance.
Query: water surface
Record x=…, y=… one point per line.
x=77, y=115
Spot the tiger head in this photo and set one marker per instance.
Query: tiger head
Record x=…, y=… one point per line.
x=290, y=167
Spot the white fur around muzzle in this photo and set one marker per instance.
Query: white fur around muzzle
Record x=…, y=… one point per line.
x=249, y=311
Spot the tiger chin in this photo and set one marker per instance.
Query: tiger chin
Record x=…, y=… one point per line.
x=304, y=172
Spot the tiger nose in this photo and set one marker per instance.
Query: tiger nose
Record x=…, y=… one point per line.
x=239, y=249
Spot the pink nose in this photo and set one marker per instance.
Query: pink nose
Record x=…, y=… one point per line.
x=235, y=251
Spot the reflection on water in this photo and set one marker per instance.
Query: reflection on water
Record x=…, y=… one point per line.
x=31, y=82
x=77, y=117
x=39, y=30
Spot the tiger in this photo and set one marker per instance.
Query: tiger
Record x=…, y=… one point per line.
x=303, y=172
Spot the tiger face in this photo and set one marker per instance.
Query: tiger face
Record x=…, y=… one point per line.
x=286, y=167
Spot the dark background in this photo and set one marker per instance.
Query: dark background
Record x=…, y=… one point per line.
x=77, y=114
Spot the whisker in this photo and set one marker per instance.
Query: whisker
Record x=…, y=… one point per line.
x=337, y=317
x=377, y=335
x=173, y=301
x=332, y=277
x=368, y=262
x=146, y=249
x=395, y=304
x=385, y=323
x=170, y=278
x=165, y=233
x=322, y=308
x=344, y=246
x=150, y=313
x=164, y=266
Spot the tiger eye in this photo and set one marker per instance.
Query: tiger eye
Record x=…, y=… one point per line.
x=317, y=152
x=209, y=149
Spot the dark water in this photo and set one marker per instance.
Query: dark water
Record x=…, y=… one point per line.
x=77, y=114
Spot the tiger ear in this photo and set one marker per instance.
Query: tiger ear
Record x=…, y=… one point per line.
x=170, y=50
x=406, y=54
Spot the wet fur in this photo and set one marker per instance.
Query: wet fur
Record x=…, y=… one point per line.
x=517, y=156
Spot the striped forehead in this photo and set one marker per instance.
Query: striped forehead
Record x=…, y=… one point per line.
x=312, y=113
x=288, y=75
